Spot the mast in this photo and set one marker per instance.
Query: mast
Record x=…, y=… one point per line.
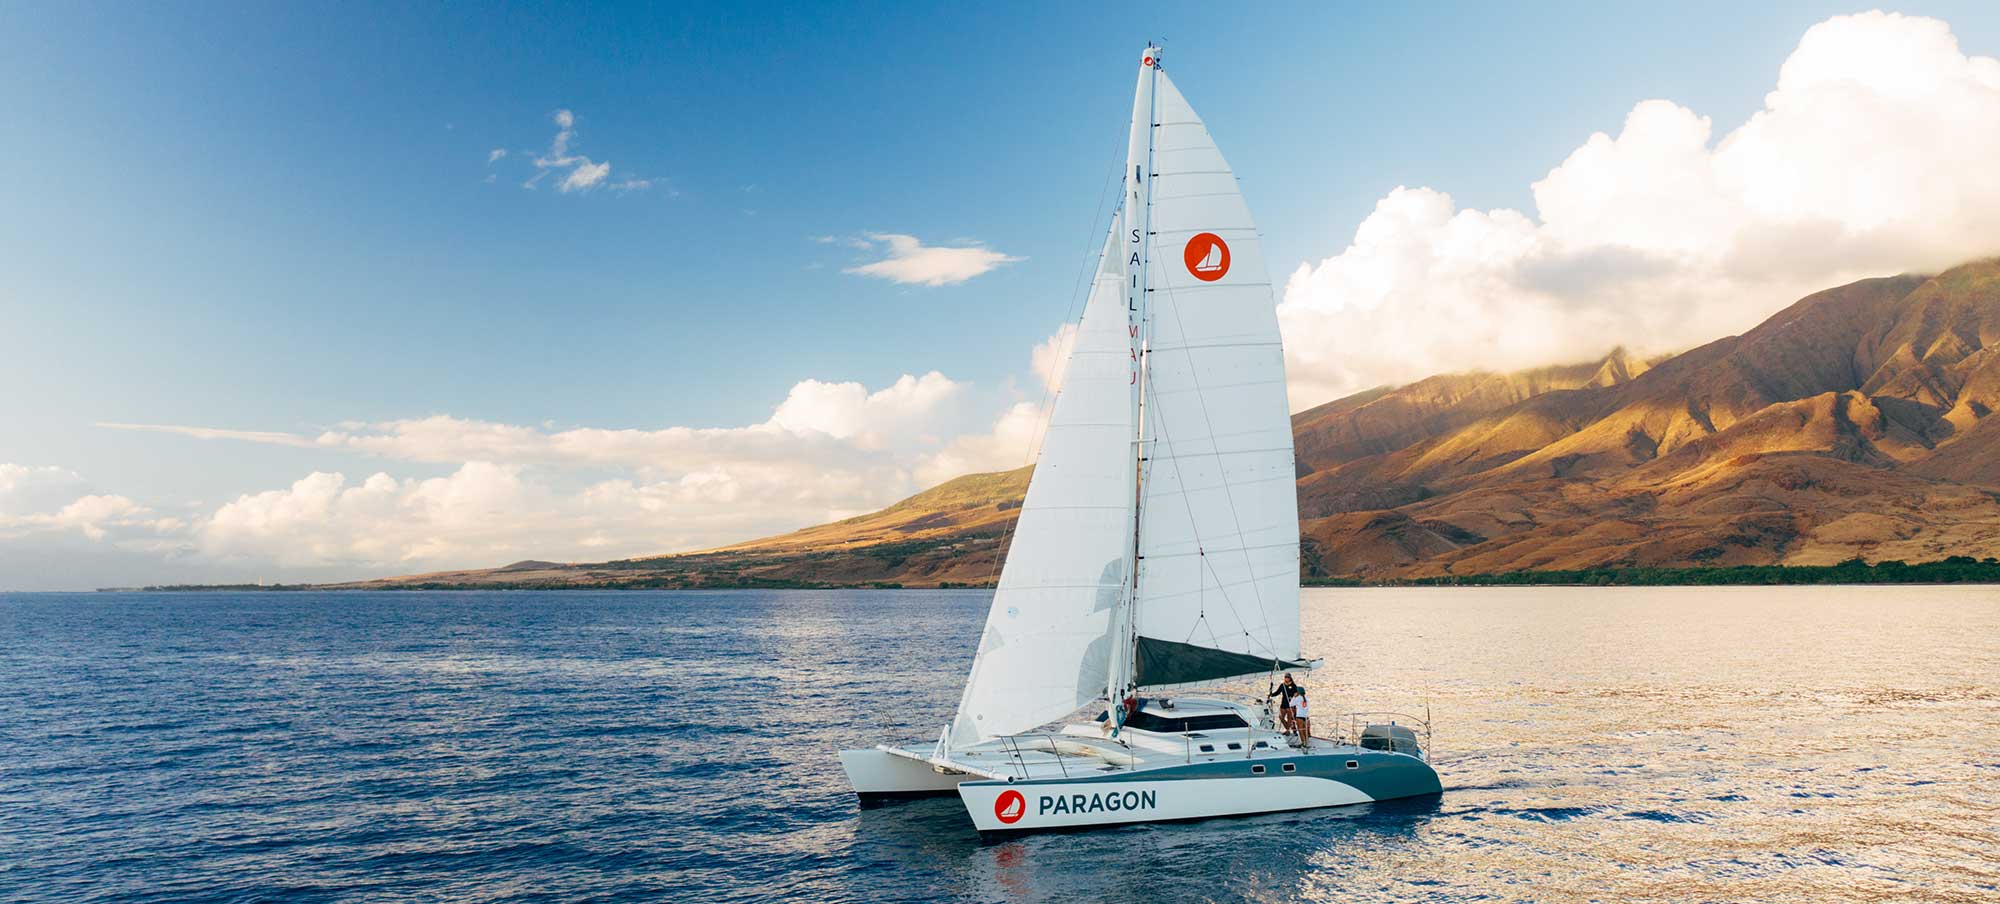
x=1139, y=200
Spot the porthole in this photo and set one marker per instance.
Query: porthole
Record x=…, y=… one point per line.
x=1353, y=764
x=1291, y=767
x=1208, y=748
x=1256, y=770
x=1235, y=746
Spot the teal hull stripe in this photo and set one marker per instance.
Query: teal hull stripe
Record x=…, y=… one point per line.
x=1382, y=776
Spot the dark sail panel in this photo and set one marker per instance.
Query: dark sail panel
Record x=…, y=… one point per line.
x=1167, y=662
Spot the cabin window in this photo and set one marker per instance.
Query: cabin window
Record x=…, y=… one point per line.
x=1256, y=770
x=1353, y=764
x=1290, y=767
x=1208, y=748
x=1263, y=744
x=1146, y=721
x=1235, y=746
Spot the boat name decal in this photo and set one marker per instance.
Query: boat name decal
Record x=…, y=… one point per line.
x=1095, y=803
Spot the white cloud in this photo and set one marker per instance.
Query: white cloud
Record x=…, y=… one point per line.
x=911, y=262
x=1015, y=435
x=1874, y=155
x=848, y=411
x=26, y=489
x=1051, y=356
x=578, y=173
x=585, y=175
x=41, y=500
x=829, y=449
x=256, y=436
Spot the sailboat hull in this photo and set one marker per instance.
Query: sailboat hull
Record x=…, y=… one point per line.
x=1234, y=787
x=878, y=776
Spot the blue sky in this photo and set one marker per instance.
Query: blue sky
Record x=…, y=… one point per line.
x=279, y=218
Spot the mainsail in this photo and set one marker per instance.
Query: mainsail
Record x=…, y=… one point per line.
x=1219, y=532
x=1172, y=422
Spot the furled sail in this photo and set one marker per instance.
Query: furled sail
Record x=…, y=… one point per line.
x=1046, y=647
x=1218, y=588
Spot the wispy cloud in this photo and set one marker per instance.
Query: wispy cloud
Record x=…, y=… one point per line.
x=575, y=172
x=254, y=436
x=911, y=262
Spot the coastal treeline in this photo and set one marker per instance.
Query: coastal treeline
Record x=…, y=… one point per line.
x=1953, y=570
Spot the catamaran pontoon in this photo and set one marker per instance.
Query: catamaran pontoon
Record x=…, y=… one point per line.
x=1157, y=548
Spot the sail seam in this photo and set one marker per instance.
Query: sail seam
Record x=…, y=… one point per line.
x=1206, y=550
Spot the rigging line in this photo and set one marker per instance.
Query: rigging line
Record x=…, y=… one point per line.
x=1044, y=412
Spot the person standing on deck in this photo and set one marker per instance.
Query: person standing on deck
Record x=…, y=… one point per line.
x=1286, y=691
x=1302, y=719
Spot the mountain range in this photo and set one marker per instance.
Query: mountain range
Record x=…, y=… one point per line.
x=1853, y=424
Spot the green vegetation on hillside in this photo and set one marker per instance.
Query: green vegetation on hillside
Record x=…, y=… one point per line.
x=1954, y=570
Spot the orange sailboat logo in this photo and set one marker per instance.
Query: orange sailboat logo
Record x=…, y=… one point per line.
x=1207, y=257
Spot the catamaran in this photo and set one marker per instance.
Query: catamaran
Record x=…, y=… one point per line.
x=1157, y=549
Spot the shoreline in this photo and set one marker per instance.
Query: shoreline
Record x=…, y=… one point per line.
x=1953, y=570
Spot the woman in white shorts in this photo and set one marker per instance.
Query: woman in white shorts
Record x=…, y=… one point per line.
x=1302, y=718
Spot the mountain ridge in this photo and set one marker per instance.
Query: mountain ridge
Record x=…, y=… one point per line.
x=1854, y=423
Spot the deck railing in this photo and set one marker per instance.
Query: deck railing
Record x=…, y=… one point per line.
x=1357, y=722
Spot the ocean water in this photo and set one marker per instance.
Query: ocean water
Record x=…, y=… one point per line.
x=1697, y=744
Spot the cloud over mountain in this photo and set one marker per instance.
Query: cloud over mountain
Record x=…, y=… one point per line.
x=1873, y=155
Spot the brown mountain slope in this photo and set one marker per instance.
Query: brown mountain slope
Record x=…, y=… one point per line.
x=1855, y=422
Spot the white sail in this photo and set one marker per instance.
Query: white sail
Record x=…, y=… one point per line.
x=1219, y=530
x=1047, y=644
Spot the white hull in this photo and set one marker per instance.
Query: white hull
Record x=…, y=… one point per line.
x=1081, y=776
x=876, y=774
x=1075, y=804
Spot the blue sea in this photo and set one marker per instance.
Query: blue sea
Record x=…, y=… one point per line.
x=1690, y=744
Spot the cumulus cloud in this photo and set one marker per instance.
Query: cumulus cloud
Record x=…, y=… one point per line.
x=848, y=411
x=1872, y=156
x=493, y=156
x=41, y=500
x=911, y=262
x=1014, y=441
x=1051, y=355
x=828, y=450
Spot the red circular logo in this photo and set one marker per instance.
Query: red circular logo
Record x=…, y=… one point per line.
x=1010, y=807
x=1207, y=257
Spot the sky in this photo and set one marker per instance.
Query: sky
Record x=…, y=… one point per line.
x=294, y=293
